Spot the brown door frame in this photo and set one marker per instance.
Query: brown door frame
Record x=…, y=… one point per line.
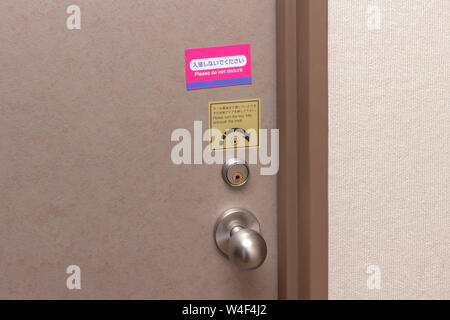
x=302, y=115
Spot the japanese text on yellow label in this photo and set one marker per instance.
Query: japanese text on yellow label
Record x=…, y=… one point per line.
x=238, y=122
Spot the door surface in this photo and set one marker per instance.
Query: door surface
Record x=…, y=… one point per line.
x=86, y=176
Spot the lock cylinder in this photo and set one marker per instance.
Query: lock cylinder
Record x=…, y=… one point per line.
x=235, y=172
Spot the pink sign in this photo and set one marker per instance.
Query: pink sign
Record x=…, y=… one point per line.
x=218, y=66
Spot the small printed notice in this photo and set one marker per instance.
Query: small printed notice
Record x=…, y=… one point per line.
x=237, y=122
x=218, y=66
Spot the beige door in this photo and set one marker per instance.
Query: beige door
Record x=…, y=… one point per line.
x=86, y=176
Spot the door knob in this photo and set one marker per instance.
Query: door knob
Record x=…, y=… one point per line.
x=237, y=235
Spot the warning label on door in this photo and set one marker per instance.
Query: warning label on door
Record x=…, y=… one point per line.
x=236, y=124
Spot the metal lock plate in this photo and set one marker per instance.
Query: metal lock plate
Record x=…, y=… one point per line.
x=235, y=172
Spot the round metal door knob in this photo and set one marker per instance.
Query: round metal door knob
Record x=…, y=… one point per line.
x=237, y=235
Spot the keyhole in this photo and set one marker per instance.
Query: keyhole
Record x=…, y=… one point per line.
x=237, y=177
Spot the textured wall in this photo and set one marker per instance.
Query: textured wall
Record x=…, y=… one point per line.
x=389, y=179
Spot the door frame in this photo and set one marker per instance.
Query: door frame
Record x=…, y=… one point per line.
x=302, y=117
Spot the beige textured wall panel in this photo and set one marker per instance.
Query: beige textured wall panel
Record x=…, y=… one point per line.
x=85, y=171
x=389, y=177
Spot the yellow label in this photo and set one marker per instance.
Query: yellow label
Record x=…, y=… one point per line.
x=238, y=122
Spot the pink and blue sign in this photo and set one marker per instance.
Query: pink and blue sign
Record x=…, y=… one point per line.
x=218, y=66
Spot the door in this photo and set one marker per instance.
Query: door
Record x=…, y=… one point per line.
x=86, y=175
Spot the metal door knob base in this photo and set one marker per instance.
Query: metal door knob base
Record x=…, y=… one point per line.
x=237, y=235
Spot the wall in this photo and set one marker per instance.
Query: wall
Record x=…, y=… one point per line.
x=389, y=168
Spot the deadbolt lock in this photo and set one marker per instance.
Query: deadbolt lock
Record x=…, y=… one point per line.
x=235, y=172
